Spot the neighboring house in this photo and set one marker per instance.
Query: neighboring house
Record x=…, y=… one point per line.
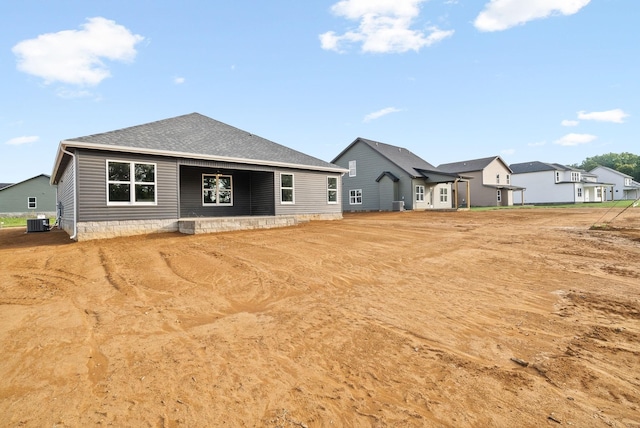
x=382, y=177
x=191, y=174
x=28, y=198
x=491, y=185
x=552, y=183
x=624, y=186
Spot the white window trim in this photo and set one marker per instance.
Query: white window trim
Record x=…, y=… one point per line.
x=444, y=194
x=352, y=168
x=132, y=183
x=293, y=189
x=35, y=203
x=419, y=192
x=557, y=176
x=217, y=203
x=499, y=195
x=332, y=190
x=354, y=195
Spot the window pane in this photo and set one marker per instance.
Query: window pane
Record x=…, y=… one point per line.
x=119, y=192
x=208, y=182
x=209, y=197
x=224, y=183
x=332, y=182
x=145, y=193
x=333, y=196
x=224, y=196
x=119, y=171
x=287, y=195
x=287, y=180
x=145, y=172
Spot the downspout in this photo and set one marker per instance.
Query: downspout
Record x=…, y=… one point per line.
x=75, y=214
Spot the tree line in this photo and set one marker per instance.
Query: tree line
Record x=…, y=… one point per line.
x=627, y=163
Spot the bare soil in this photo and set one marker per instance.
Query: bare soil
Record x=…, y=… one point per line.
x=462, y=319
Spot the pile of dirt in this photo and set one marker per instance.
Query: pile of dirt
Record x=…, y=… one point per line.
x=497, y=318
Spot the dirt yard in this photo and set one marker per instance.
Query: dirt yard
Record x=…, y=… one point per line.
x=464, y=319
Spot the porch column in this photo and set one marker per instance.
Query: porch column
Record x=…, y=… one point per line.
x=468, y=194
x=455, y=182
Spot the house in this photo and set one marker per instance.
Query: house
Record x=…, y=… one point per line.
x=624, y=186
x=553, y=183
x=28, y=198
x=491, y=185
x=382, y=177
x=191, y=174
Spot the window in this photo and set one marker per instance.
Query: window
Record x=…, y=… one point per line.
x=499, y=195
x=497, y=178
x=508, y=179
x=419, y=193
x=444, y=194
x=286, y=189
x=352, y=168
x=579, y=192
x=557, y=176
x=131, y=183
x=355, y=197
x=217, y=189
x=332, y=190
x=627, y=182
x=31, y=203
x=598, y=192
x=575, y=176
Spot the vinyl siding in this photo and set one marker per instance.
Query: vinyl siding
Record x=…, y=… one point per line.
x=252, y=193
x=369, y=165
x=13, y=199
x=310, y=193
x=66, y=199
x=92, y=188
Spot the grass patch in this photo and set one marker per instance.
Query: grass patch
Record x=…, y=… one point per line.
x=19, y=221
x=608, y=204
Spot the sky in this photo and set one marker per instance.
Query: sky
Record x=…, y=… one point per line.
x=450, y=80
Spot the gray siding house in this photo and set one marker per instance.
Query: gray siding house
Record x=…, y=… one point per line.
x=191, y=174
x=491, y=185
x=30, y=197
x=382, y=177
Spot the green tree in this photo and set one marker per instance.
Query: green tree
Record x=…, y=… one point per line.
x=627, y=163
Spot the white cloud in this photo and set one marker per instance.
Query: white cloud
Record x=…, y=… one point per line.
x=76, y=56
x=500, y=15
x=378, y=114
x=18, y=141
x=384, y=27
x=615, y=116
x=575, y=139
x=569, y=122
x=508, y=151
x=178, y=80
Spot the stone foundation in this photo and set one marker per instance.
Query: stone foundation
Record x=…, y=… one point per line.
x=111, y=229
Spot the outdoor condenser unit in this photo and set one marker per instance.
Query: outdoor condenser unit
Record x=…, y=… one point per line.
x=37, y=225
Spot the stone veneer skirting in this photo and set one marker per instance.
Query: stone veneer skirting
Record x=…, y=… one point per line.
x=112, y=229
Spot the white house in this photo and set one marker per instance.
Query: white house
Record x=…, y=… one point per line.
x=624, y=187
x=552, y=183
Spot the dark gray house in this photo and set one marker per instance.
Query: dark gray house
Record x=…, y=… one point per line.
x=191, y=174
x=382, y=177
x=31, y=197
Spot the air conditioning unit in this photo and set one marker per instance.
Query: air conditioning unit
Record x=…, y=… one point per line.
x=397, y=205
x=37, y=225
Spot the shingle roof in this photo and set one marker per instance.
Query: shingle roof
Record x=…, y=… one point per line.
x=3, y=185
x=536, y=166
x=401, y=157
x=468, y=165
x=198, y=136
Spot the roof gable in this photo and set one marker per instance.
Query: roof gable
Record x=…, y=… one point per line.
x=197, y=136
x=471, y=165
x=615, y=171
x=404, y=159
x=8, y=185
